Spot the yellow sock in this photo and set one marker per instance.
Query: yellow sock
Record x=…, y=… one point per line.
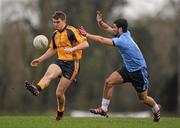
x=61, y=109
x=42, y=85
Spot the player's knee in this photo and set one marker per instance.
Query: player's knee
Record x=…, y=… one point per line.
x=59, y=93
x=108, y=83
x=143, y=99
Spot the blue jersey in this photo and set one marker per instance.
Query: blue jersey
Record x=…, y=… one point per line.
x=130, y=52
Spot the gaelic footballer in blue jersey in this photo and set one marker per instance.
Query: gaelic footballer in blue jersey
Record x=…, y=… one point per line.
x=134, y=69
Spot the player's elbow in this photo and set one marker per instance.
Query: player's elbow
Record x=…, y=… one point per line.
x=101, y=40
x=86, y=45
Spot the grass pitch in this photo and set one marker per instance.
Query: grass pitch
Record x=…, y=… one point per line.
x=92, y=122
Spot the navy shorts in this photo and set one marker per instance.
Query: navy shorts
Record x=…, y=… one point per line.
x=139, y=78
x=69, y=69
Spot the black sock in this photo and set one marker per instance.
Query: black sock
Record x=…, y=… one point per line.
x=59, y=113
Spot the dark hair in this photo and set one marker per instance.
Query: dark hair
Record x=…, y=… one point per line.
x=59, y=14
x=121, y=23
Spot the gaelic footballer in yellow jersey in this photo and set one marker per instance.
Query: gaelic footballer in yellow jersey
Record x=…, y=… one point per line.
x=67, y=38
x=68, y=44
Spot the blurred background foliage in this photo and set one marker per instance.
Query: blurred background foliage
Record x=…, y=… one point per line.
x=22, y=20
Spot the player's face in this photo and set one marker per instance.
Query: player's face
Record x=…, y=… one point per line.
x=58, y=24
x=115, y=30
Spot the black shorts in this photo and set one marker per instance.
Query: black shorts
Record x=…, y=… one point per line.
x=70, y=69
x=139, y=78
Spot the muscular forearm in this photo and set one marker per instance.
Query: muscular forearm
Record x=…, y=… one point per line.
x=50, y=52
x=99, y=39
x=81, y=46
x=103, y=25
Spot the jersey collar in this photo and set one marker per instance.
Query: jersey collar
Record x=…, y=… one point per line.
x=63, y=29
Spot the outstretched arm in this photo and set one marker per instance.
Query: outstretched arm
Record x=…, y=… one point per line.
x=102, y=24
x=97, y=38
x=50, y=52
x=100, y=39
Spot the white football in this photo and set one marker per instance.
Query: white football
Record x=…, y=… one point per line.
x=40, y=42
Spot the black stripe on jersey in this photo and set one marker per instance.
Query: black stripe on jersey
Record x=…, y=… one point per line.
x=113, y=43
x=71, y=37
x=53, y=36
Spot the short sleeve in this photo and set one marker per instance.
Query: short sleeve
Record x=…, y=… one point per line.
x=78, y=36
x=51, y=44
x=117, y=42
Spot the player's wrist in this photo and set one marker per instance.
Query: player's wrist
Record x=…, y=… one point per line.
x=40, y=60
x=100, y=22
x=87, y=34
x=73, y=49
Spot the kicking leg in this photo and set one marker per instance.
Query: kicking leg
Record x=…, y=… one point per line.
x=52, y=72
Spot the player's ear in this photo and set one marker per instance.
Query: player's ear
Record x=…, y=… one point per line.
x=120, y=30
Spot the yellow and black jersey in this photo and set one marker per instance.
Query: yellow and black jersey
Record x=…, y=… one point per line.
x=68, y=37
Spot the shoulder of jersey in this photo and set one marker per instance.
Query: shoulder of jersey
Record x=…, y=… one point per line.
x=71, y=27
